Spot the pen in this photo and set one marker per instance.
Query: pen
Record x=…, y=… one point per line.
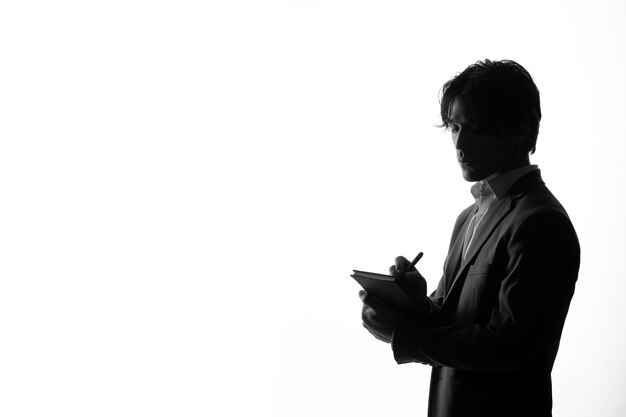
x=416, y=260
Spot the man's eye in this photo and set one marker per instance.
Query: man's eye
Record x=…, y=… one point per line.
x=480, y=130
x=454, y=128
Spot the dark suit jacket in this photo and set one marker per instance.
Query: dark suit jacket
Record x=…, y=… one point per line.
x=496, y=318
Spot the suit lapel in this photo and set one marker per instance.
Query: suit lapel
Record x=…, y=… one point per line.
x=454, y=258
x=495, y=214
x=493, y=217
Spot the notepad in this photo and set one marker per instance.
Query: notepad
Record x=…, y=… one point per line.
x=388, y=289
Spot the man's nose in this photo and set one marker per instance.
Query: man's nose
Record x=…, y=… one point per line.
x=461, y=142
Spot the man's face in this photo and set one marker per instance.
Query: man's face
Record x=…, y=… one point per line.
x=480, y=154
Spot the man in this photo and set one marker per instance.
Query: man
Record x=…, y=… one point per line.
x=491, y=330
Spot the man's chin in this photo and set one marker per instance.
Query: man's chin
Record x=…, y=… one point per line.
x=471, y=176
x=468, y=175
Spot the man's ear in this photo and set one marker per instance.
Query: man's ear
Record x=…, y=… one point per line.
x=522, y=132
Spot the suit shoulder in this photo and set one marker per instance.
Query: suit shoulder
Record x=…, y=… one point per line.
x=539, y=199
x=460, y=220
x=539, y=208
x=465, y=213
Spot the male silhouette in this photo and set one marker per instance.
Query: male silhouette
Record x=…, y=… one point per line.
x=492, y=328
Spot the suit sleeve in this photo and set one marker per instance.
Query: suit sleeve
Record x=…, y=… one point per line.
x=533, y=298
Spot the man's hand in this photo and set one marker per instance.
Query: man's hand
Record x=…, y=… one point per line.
x=411, y=281
x=379, y=318
x=401, y=267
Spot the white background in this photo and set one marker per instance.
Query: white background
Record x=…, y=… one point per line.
x=186, y=186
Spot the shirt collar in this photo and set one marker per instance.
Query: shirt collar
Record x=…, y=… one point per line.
x=501, y=184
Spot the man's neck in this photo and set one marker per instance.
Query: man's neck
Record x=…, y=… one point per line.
x=515, y=164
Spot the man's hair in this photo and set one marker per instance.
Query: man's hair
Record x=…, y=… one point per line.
x=497, y=96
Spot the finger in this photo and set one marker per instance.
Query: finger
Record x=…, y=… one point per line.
x=367, y=314
x=376, y=334
x=378, y=310
x=374, y=311
x=374, y=303
x=368, y=317
x=401, y=264
x=393, y=271
x=413, y=275
x=372, y=324
x=372, y=330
